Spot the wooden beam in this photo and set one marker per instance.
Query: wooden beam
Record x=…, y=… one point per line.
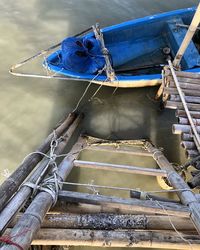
x=142, y=206
x=120, y=168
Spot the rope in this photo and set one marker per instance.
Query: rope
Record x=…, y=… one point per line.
x=50, y=184
x=123, y=188
x=86, y=89
x=170, y=220
x=7, y=240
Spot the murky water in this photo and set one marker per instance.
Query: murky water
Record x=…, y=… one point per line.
x=31, y=107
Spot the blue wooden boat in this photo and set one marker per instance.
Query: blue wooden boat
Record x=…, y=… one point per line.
x=139, y=48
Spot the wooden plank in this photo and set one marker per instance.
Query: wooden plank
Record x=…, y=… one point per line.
x=120, y=168
x=145, y=206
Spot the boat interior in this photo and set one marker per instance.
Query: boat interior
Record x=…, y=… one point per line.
x=148, y=53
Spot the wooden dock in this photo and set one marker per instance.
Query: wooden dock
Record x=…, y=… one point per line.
x=38, y=211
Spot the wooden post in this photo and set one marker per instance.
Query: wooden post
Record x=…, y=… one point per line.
x=186, y=196
x=188, y=37
x=182, y=113
x=12, y=183
x=25, y=192
x=30, y=222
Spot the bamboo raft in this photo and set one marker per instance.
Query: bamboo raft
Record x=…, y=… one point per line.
x=36, y=210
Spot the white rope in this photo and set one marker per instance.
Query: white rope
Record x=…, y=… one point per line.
x=123, y=188
x=170, y=220
x=51, y=184
x=86, y=89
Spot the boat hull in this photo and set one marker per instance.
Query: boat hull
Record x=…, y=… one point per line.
x=133, y=40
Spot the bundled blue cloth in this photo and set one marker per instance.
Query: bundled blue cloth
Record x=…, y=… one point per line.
x=82, y=55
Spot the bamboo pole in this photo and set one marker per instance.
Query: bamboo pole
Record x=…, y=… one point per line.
x=179, y=105
x=119, y=168
x=186, y=137
x=185, y=121
x=173, y=91
x=30, y=222
x=12, y=183
x=148, y=196
x=188, y=37
x=188, y=145
x=189, y=99
x=25, y=192
x=190, y=153
x=102, y=221
x=183, y=74
x=186, y=85
x=195, y=181
x=118, y=238
x=144, y=206
x=120, y=149
x=179, y=128
x=182, y=113
x=187, y=197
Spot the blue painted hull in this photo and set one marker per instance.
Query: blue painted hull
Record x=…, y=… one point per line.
x=137, y=43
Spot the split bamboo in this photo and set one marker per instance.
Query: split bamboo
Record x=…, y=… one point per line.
x=12, y=183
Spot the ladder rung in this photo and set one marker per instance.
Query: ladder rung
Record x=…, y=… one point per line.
x=120, y=168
